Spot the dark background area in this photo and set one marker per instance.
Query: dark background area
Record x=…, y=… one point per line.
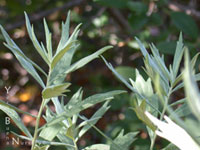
x=104, y=22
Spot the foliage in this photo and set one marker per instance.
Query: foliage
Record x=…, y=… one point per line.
x=105, y=22
x=152, y=103
x=61, y=124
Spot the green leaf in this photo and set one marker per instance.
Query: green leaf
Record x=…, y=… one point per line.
x=151, y=61
x=55, y=90
x=191, y=88
x=45, y=142
x=16, y=49
x=127, y=84
x=124, y=141
x=185, y=23
x=178, y=55
x=24, y=61
x=70, y=110
x=48, y=36
x=159, y=61
x=126, y=72
x=138, y=22
x=34, y=40
x=167, y=47
x=194, y=60
x=86, y=60
x=182, y=111
x=15, y=117
x=64, y=34
x=46, y=147
x=137, y=7
x=67, y=46
x=140, y=112
x=98, y=114
x=98, y=147
x=15, y=108
x=27, y=65
x=50, y=132
x=60, y=54
x=57, y=75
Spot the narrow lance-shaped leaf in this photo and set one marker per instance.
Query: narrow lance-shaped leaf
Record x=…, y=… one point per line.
x=15, y=117
x=178, y=55
x=127, y=84
x=191, y=88
x=98, y=114
x=15, y=108
x=160, y=62
x=44, y=142
x=21, y=57
x=55, y=90
x=28, y=66
x=64, y=34
x=34, y=40
x=88, y=102
x=59, y=54
x=48, y=36
x=151, y=61
x=80, y=63
x=86, y=60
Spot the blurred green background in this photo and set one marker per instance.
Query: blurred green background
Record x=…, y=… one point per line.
x=104, y=22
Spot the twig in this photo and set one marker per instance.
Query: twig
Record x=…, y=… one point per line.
x=121, y=20
x=42, y=14
x=188, y=10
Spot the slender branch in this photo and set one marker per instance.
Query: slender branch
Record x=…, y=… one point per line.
x=187, y=9
x=42, y=14
x=37, y=124
x=121, y=20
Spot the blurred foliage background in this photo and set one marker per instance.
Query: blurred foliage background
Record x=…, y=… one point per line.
x=105, y=22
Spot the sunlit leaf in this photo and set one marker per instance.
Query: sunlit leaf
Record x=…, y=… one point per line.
x=15, y=117
x=191, y=88
x=55, y=90
x=124, y=141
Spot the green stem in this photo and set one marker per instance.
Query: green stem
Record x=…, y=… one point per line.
x=76, y=147
x=37, y=124
x=153, y=141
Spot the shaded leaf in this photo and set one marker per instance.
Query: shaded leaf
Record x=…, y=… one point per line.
x=185, y=23
x=126, y=72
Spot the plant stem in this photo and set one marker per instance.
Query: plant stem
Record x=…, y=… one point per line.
x=37, y=124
